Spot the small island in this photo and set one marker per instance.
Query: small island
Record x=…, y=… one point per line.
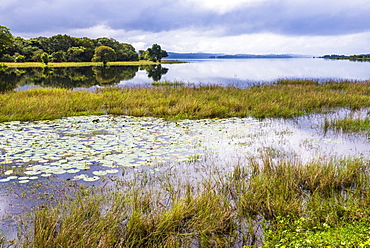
x=361, y=57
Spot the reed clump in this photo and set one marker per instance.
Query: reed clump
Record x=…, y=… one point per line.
x=291, y=201
x=278, y=100
x=349, y=124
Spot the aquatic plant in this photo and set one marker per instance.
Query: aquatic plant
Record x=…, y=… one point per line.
x=285, y=100
x=291, y=201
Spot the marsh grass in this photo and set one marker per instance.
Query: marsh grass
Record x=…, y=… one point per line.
x=285, y=100
x=293, y=202
x=349, y=124
x=168, y=83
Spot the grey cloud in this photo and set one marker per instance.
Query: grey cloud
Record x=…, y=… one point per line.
x=287, y=17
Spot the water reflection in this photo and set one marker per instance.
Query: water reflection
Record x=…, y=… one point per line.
x=73, y=77
x=155, y=71
x=237, y=72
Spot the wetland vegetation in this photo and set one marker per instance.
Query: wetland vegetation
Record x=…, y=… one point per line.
x=271, y=198
x=274, y=203
x=283, y=99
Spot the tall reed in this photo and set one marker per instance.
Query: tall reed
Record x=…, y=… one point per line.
x=219, y=212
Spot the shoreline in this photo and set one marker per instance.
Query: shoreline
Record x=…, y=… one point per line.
x=86, y=64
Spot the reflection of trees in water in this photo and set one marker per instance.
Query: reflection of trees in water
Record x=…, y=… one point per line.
x=113, y=75
x=155, y=71
x=9, y=79
x=66, y=77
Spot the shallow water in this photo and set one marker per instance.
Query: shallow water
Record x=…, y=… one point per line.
x=41, y=161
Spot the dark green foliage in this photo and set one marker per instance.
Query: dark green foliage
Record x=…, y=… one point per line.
x=62, y=48
x=6, y=39
x=104, y=54
x=45, y=58
x=155, y=53
x=361, y=57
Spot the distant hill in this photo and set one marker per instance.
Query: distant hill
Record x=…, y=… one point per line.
x=172, y=55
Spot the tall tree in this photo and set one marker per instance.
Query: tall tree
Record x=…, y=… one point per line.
x=104, y=54
x=6, y=39
x=155, y=53
x=45, y=58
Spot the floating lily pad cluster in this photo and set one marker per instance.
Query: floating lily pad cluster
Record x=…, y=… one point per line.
x=93, y=146
x=89, y=147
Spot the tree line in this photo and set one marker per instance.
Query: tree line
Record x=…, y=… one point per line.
x=350, y=57
x=64, y=48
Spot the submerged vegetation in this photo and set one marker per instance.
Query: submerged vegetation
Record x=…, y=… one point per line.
x=284, y=99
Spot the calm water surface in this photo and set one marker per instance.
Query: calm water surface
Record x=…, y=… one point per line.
x=236, y=72
x=243, y=72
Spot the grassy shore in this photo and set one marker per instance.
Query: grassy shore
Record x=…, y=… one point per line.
x=86, y=64
x=267, y=201
x=283, y=99
x=277, y=204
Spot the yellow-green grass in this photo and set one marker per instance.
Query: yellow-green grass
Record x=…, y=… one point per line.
x=287, y=100
x=292, y=202
x=349, y=124
x=86, y=64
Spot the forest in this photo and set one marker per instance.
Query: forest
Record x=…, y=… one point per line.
x=64, y=48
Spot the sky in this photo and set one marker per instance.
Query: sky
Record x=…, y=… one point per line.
x=308, y=27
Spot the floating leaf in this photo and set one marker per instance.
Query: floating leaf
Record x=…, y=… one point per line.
x=100, y=173
x=91, y=179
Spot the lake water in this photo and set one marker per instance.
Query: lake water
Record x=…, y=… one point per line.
x=236, y=72
x=243, y=72
x=38, y=159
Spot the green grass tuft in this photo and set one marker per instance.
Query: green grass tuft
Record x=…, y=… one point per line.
x=186, y=102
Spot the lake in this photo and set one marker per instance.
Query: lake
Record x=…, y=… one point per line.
x=236, y=72
x=243, y=72
x=41, y=161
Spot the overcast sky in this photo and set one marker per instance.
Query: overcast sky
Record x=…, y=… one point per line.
x=310, y=27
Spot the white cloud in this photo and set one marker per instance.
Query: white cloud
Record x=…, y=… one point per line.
x=196, y=40
x=222, y=6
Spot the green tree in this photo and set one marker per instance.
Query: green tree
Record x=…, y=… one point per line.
x=6, y=39
x=142, y=54
x=104, y=54
x=59, y=56
x=155, y=53
x=74, y=53
x=45, y=58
